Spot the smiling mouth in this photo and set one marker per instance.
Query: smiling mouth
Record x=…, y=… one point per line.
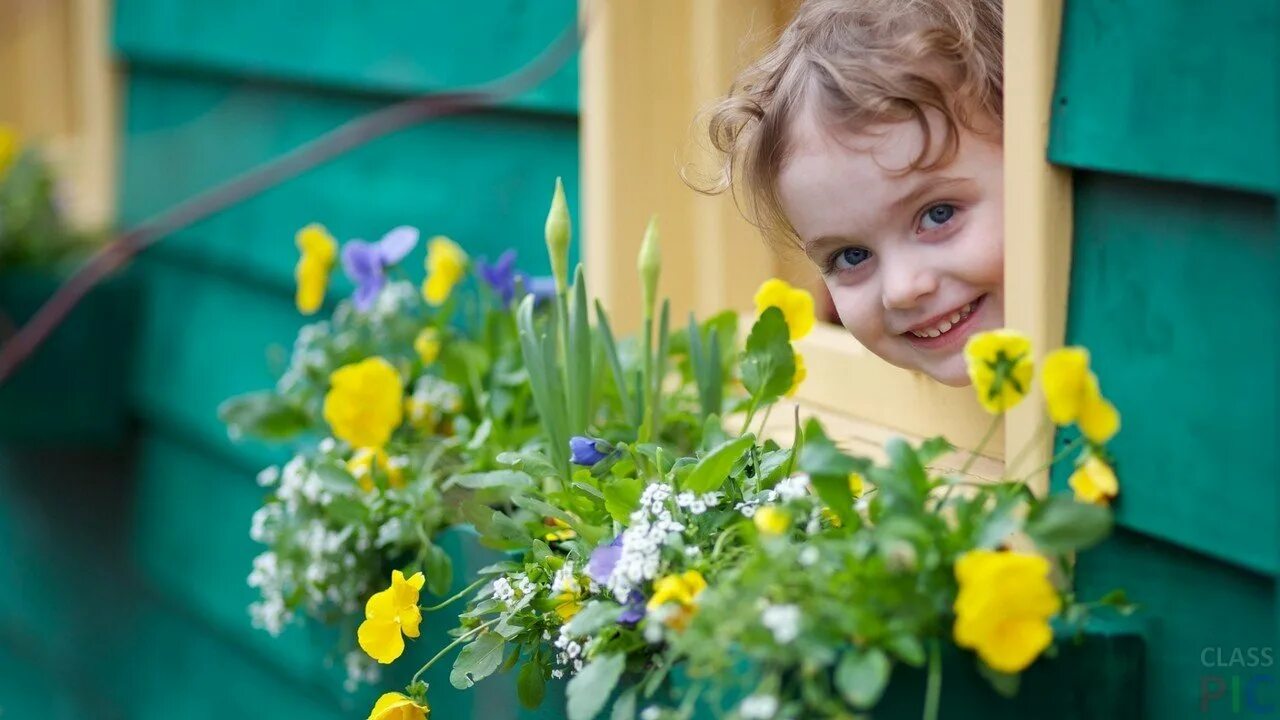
x=949, y=326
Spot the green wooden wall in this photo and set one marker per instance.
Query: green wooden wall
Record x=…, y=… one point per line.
x=214, y=89
x=1167, y=113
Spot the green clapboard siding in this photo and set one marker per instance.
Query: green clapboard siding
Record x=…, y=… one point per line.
x=1167, y=113
x=388, y=46
x=484, y=179
x=1179, y=90
x=1170, y=285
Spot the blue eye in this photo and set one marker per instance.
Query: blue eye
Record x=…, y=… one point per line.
x=849, y=257
x=937, y=216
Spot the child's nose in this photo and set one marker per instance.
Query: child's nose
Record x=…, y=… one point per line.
x=905, y=285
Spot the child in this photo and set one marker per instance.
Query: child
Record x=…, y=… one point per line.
x=870, y=137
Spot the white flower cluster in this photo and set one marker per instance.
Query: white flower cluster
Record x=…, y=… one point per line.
x=792, y=488
x=304, y=357
x=642, y=542
x=508, y=589
x=298, y=484
x=361, y=670
x=393, y=299
x=783, y=621
x=565, y=581
x=568, y=653
x=698, y=504
x=269, y=613
x=265, y=524
x=758, y=707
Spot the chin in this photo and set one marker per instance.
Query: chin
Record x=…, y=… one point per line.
x=952, y=372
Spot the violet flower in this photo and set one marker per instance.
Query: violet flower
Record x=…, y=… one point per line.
x=585, y=450
x=502, y=275
x=600, y=566
x=366, y=263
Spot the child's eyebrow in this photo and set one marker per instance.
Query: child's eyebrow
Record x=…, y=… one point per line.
x=927, y=186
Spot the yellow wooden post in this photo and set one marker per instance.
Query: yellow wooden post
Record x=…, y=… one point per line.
x=1037, y=201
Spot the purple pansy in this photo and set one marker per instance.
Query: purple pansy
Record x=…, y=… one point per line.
x=600, y=566
x=502, y=275
x=585, y=450
x=366, y=263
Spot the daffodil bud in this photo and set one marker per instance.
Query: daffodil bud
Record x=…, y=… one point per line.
x=558, y=233
x=650, y=264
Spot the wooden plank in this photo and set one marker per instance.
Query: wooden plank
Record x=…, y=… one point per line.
x=1178, y=90
x=1037, y=215
x=484, y=179
x=399, y=47
x=1170, y=285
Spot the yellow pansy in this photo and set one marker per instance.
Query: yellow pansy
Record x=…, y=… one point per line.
x=1094, y=482
x=567, y=605
x=856, y=483
x=390, y=613
x=795, y=303
x=398, y=706
x=801, y=373
x=1072, y=394
x=772, y=520
x=318, y=251
x=365, y=402
x=1003, y=607
x=10, y=147
x=446, y=266
x=427, y=345
x=1000, y=366
x=363, y=462
x=562, y=530
x=680, y=591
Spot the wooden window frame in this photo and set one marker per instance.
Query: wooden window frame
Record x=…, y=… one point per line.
x=650, y=66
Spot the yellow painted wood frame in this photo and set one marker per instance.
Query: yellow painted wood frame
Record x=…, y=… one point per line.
x=650, y=67
x=59, y=89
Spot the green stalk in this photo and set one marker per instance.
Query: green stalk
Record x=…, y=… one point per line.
x=461, y=639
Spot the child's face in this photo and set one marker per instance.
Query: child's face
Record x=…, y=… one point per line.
x=914, y=261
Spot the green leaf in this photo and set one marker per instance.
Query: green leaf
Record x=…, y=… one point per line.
x=1003, y=521
x=835, y=492
x=611, y=353
x=590, y=689
x=934, y=448
x=622, y=497
x=531, y=685
x=1061, y=525
x=335, y=478
x=348, y=510
x=624, y=708
x=862, y=675
x=1004, y=684
x=713, y=433
x=713, y=469
x=438, y=568
x=904, y=460
x=477, y=660
x=768, y=363
x=263, y=415
x=513, y=479
x=908, y=648
x=595, y=616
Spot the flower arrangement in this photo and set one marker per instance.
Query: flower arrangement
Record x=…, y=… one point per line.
x=654, y=539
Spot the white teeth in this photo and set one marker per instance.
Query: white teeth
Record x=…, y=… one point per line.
x=946, y=325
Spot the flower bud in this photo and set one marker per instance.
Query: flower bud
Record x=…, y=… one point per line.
x=650, y=264
x=558, y=234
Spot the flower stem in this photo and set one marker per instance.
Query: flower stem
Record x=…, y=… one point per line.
x=933, y=691
x=462, y=592
x=765, y=420
x=461, y=639
x=973, y=456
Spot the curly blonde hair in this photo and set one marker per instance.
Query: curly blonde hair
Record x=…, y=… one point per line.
x=859, y=63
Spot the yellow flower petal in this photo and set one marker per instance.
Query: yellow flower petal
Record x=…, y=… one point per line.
x=446, y=266
x=381, y=640
x=427, y=345
x=318, y=251
x=796, y=305
x=1098, y=420
x=1000, y=366
x=856, y=483
x=10, y=147
x=365, y=402
x=771, y=520
x=1094, y=482
x=1065, y=378
x=397, y=706
x=1003, y=607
